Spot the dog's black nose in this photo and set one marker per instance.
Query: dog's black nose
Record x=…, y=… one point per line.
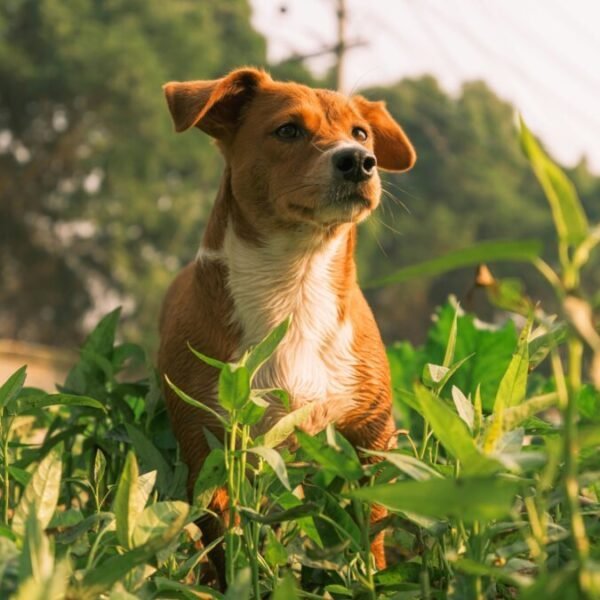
x=354, y=164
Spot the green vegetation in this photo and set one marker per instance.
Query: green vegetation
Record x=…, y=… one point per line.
x=493, y=492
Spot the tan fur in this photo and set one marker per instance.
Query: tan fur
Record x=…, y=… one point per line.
x=282, y=219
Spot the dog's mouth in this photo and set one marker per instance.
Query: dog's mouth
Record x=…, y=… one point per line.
x=339, y=205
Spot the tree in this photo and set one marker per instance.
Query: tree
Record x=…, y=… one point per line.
x=100, y=201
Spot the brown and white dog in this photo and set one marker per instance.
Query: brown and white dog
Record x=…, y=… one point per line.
x=300, y=173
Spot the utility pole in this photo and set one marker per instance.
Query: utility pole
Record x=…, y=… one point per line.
x=341, y=46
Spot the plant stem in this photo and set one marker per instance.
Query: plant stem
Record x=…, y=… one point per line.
x=5, y=478
x=568, y=404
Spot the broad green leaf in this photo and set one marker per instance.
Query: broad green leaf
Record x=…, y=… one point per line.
x=511, y=391
x=69, y=535
x=470, y=499
x=541, y=345
x=36, y=560
x=19, y=475
x=282, y=430
x=588, y=403
x=453, y=433
x=463, y=407
x=264, y=349
x=101, y=340
x=401, y=573
x=12, y=386
x=252, y=412
x=41, y=494
x=285, y=589
x=483, y=252
x=409, y=465
x=275, y=461
x=569, y=217
x=515, y=415
x=212, y=476
x=53, y=586
x=275, y=552
x=234, y=387
x=103, y=576
x=128, y=505
x=29, y=402
x=151, y=458
x=490, y=349
x=336, y=461
x=241, y=586
x=157, y=519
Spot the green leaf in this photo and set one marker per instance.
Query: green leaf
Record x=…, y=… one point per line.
x=259, y=355
x=511, y=391
x=433, y=374
x=12, y=386
x=490, y=349
x=569, y=217
x=186, y=398
x=212, y=476
x=285, y=589
x=515, y=415
x=157, y=519
x=102, y=577
x=29, y=402
x=470, y=499
x=333, y=460
x=234, y=387
x=99, y=467
x=213, y=362
x=40, y=497
x=463, y=407
x=241, y=587
x=588, y=403
x=282, y=430
x=151, y=458
x=409, y=465
x=452, y=432
x=541, y=345
x=451, y=346
x=128, y=505
x=296, y=513
x=275, y=461
x=36, y=560
x=275, y=552
x=483, y=252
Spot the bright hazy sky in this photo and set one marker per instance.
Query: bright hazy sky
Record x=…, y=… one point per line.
x=542, y=55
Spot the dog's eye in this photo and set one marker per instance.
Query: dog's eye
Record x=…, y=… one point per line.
x=358, y=133
x=288, y=131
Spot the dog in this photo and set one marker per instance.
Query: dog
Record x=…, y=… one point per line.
x=301, y=171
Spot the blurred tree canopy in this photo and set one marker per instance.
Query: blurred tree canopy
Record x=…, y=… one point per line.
x=101, y=203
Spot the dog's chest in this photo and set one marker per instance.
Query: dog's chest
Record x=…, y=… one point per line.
x=315, y=361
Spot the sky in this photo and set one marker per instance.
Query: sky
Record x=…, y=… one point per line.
x=541, y=55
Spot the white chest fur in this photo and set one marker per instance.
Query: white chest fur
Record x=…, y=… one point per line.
x=314, y=363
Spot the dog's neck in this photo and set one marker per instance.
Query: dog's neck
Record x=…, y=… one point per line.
x=305, y=273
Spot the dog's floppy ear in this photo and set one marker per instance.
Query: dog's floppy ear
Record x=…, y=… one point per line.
x=393, y=149
x=214, y=106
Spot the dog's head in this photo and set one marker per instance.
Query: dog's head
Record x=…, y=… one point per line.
x=297, y=155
